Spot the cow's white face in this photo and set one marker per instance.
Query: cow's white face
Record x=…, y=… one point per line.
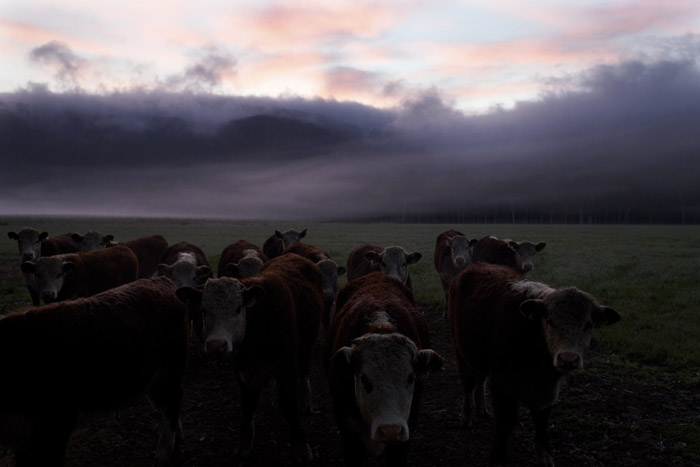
x=29, y=243
x=385, y=369
x=224, y=309
x=568, y=317
x=290, y=236
x=49, y=275
x=92, y=240
x=525, y=253
x=185, y=272
x=394, y=261
x=461, y=251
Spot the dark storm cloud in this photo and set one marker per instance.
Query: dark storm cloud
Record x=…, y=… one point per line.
x=621, y=144
x=58, y=55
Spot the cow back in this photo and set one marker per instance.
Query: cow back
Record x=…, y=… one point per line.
x=60, y=244
x=149, y=251
x=358, y=265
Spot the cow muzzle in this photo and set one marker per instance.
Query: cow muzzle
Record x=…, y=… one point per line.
x=28, y=257
x=216, y=347
x=567, y=361
x=390, y=432
x=48, y=297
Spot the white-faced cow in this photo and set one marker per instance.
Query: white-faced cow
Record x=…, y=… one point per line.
x=149, y=250
x=392, y=261
x=377, y=355
x=517, y=255
x=525, y=337
x=65, y=361
x=453, y=253
x=280, y=241
x=268, y=325
x=33, y=245
x=73, y=275
x=186, y=264
x=329, y=274
x=241, y=259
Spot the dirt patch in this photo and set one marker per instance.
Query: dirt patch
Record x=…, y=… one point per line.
x=604, y=418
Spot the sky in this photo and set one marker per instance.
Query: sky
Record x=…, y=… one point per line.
x=403, y=107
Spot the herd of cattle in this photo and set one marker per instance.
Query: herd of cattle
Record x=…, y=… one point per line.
x=118, y=318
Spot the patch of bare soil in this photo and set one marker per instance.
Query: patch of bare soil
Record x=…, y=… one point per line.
x=602, y=419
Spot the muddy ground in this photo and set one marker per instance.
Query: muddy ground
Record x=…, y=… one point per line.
x=617, y=422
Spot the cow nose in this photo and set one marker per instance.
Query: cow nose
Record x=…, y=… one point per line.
x=48, y=297
x=27, y=257
x=391, y=432
x=568, y=361
x=216, y=346
x=459, y=261
x=527, y=267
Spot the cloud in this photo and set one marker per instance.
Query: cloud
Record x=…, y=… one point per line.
x=69, y=67
x=210, y=70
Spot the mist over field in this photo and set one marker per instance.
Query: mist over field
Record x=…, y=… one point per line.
x=618, y=143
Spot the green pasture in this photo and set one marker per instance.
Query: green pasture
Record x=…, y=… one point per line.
x=649, y=274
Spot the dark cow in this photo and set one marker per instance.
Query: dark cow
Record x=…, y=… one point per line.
x=525, y=337
x=148, y=250
x=517, y=255
x=329, y=273
x=73, y=275
x=376, y=358
x=392, y=260
x=186, y=264
x=268, y=325
x=280, y=241
x=453, y=253
x=34, y=244
x=63, y=361
x=241, y=259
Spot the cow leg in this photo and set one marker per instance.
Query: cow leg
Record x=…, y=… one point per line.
x=469, y=388
x=166, y=396
x=249, y=402
x=542, y=443
x=305, y=395
x=506, y=410
x=396, y=454
x=289, y=404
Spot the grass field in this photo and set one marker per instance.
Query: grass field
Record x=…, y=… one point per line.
x=648, y=363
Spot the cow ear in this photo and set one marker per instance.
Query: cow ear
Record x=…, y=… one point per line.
x=108, y=238
x=68, y=267
x=302, y=234
x=533, y=309
x=164, y=269
x=513, y=245
x=251, y=295
x=29, y=267
x=342, y=359
x=13, y=235
x=43, y=236
x=77, y=237
x=341, y=270
x=372, y=256
x=278, y=234
x=203, y=272
x=605, y=316
x=540, y=246
x=413, y=258
x=427, y=361
x=231, y=269
x=473, y=242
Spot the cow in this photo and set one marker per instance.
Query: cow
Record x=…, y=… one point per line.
x=280, y=241
x=73, y=275
x=68, y=360
x=525, y=337
x=34, y=244
x=241, y=259
x=517, y=255
x=376, y=357
x=453, y=253
x=329, y=273
x=186, y=264
x=267, y=324
x=392, y=260
x=93, y=240
x=149, y=250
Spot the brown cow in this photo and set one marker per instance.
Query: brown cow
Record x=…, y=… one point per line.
x=525, y=337
x=453, y=253
x=280, y=241
x=376, y=358
x=186, y=264
x=517, y=255
x=268, y=325
x=73, y=275
x=63, y=361
x=241, y=259
x=392, y=260
x=148, y=250
x=34, y=244
x=329, y=273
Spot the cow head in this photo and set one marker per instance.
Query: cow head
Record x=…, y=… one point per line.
x=185, y=272
x=248, y=266
x=394, y=261
x=568, y=317
x=49, y=274
x=461, y=250
x=92, y=240
x=525, y=253
x=289, y=237
x=223, y=305
x=385, y=369
x=29, y=243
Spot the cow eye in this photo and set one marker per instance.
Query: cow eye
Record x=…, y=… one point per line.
x=366, y=384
